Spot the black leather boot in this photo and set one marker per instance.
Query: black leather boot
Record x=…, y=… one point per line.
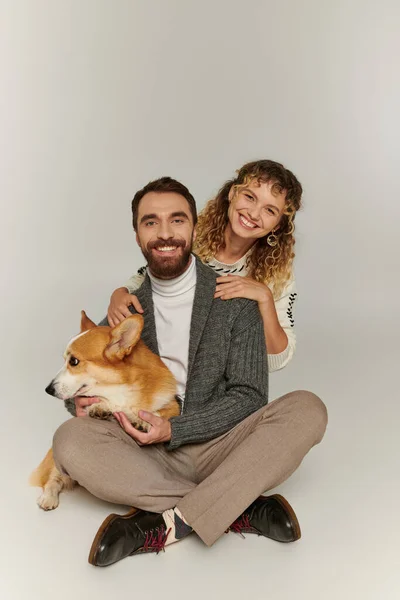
x=270, y=516
x=120, y=536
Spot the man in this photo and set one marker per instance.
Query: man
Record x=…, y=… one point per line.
x=204, y=470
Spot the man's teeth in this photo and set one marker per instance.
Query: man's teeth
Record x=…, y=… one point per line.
x=167, y=248
x=246, y=222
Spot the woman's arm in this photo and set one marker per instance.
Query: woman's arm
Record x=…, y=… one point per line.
x=275, y=336
x=277, y=315
x=123, y=297
x=135, y=281
x=278, y=319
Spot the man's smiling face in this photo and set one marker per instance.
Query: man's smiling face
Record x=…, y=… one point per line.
x=165, y=233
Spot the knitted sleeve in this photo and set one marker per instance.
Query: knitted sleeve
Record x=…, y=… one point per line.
x=70, y=406
x=246, y=376
x=285, y=306
x=136, y=280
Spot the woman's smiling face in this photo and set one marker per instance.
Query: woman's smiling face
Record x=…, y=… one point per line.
x=255, y=210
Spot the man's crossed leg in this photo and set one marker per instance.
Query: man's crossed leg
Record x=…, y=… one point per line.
x=207, y=487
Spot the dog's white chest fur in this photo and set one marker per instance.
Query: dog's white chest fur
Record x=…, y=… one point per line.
x=118, y=397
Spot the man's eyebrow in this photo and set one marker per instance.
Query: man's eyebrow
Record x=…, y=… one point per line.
x=149, y=216
x=179, y=213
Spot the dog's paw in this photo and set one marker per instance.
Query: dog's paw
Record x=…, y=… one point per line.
x=97, y=412
x=140, y=425
x=48, y=501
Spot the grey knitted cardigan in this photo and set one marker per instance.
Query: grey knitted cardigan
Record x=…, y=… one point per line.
x=227, y=367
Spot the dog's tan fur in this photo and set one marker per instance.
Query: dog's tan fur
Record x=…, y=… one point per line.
x=116, y=366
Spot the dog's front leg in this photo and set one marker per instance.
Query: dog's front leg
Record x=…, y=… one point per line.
x=141, y=425
x=137, y=422
x=100, y=410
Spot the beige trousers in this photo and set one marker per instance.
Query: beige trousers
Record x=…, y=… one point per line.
x=211, y=483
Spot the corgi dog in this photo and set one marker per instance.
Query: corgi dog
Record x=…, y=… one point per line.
x=114, y=365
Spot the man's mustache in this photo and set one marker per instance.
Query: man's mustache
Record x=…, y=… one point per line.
x=165, y=243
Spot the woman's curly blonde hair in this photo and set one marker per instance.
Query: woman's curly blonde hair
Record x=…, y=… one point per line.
x=268, y=264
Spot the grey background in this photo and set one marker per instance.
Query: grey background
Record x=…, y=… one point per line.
x=99, y=97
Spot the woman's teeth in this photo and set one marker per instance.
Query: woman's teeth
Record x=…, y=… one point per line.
x=246, y=223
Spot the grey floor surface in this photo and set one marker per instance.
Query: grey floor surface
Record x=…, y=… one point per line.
x=346, y=494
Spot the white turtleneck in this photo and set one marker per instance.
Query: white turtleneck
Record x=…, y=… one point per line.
x=173, y=303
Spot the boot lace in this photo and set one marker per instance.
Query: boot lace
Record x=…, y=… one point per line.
x=155, y=540
x=242, y=523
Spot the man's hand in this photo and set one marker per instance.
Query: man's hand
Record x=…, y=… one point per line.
x=81, y=403
x=160, y=430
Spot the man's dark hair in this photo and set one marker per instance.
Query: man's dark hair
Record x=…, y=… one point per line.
x=162, y=186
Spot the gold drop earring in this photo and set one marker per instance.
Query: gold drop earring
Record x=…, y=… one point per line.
x=272, y=239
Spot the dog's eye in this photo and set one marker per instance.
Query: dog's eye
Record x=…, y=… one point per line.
x=73, y=361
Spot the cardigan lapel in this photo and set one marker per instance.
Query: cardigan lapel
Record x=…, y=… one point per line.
x=203, y=299
x=149, y=333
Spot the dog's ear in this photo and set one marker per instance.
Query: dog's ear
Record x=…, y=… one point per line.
x=123, y=338
x=86, y=323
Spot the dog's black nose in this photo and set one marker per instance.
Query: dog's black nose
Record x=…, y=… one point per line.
x=50, y=389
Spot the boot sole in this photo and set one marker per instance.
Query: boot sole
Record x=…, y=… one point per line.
x=103, y=528
x=294, y=521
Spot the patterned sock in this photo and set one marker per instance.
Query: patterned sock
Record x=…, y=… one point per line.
x=176, y=523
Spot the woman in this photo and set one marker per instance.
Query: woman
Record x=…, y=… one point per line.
x=246, y=234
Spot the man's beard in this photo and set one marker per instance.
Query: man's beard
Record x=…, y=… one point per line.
x=167, y=267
